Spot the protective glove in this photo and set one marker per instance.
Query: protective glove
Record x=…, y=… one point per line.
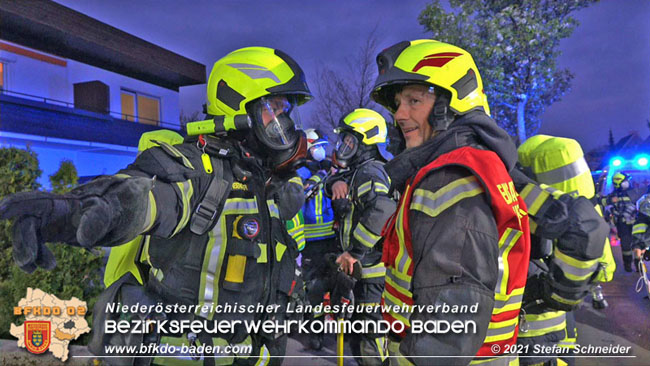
x=342, y=294
x=82, y=217
x=341, y=207
x=646, y=255
x=40, y=217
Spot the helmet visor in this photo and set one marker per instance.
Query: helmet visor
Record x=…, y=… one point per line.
x=347, y=146
x=276, y=121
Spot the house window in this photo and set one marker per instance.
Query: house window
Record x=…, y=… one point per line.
x=2, y=76
x=148, y=110
x=128, y=105
x=140, y=108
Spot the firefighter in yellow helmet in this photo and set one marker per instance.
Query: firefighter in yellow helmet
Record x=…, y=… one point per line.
x=640, y=230
x=620, y=203
x=362, y=205
x=458, y=212
x=564, y=265
x=212, y=209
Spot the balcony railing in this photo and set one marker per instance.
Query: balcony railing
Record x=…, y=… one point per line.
x=114, y=114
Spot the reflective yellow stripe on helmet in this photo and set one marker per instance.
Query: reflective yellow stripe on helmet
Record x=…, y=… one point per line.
x=368, y=123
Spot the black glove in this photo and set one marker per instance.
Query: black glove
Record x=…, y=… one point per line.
x=82, y=217
x=326, y=165
x=341, y=207
x=646, y=255
x=342, y=294
x=40, y=217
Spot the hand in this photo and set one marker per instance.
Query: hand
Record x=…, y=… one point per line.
x=39, y=218
x=80, y=218
x=339, y=190
x=346, y=262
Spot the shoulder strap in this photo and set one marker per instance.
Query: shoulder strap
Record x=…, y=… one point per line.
x=209, y=209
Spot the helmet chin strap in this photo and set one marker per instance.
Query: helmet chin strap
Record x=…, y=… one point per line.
x=441, y=116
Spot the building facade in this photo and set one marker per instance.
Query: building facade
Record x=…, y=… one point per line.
x=78, y=89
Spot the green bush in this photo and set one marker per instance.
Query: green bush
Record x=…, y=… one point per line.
x=78, y=270
x=65, y=178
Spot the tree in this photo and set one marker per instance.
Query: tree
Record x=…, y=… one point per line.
x=78, y=270
x=515, y=45
x=342, y=92
x=610, y=140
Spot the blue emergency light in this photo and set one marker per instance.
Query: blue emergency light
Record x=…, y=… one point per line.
x=616, y=161
x=641, y=161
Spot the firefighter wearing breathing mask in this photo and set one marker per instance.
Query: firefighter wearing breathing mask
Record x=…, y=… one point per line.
x=621, y=204
x=319, y=219
x=640, y=230
x=212, y=209
x=570, y=252
x=361, y=202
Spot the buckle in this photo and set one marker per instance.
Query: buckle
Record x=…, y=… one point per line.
x=440, y=110
x=206, y=212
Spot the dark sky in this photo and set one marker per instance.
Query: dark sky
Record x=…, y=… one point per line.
x=609, y=53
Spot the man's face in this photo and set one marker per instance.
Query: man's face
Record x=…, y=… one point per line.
x=274, y=107
x=414, y=104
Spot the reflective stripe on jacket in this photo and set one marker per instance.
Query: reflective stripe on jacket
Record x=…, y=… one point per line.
x=490, y=176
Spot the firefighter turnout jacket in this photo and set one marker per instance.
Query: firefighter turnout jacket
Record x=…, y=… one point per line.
x=565, y=262
x=198, y=251
x=317, y=211
x=360, y=227
x=460, y=237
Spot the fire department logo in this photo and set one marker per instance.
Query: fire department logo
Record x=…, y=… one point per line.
x=37, y=336
x=251, y=228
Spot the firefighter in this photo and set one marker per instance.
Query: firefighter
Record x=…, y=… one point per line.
x=620, y=204
x=460, y=234
x=212, y=210
x=572, y=263
x=640, y=232
x=319, y=219
x=362, y=206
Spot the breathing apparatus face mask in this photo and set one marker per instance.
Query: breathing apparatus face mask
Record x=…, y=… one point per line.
x=346, y=148
x=275, y=121
x=317, y=153
x=625, y=185
x=277, y=127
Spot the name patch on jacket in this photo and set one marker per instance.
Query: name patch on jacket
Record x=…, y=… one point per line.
x=239, y=186
x=509, y=194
